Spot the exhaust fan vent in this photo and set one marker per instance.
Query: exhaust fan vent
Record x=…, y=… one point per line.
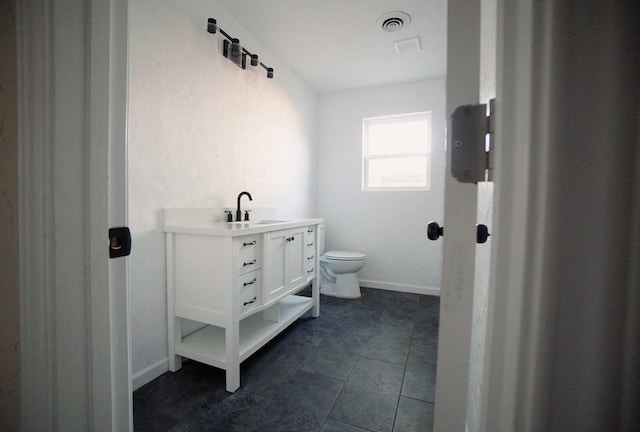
x=394, y=21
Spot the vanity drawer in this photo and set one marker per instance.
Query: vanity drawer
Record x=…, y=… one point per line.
x=310, y=239
x=311, y=270
x=311, y=261
x=250, y=286
x=310, y=234
x=249, y=248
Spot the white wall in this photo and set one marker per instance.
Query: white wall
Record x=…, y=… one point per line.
x=9, y=293
x=389, y=227
x=201, y=131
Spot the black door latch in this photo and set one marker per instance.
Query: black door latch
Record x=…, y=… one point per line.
x=119, y=242
x=434, y=231
x=482, y=233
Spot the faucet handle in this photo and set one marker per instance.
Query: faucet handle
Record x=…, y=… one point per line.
x=246, y=214
x=229, y=215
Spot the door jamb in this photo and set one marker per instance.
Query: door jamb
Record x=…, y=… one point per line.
x=81, y=388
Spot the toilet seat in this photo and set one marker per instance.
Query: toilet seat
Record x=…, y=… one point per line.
x=344, y=256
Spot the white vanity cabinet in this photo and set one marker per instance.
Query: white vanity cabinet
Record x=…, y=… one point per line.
x=239, y=281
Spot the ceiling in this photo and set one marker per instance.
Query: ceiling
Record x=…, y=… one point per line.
x=338, y=44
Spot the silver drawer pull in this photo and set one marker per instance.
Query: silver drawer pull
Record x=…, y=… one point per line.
x=248, y=263
x=310, y=270
x=250, y=283
x=253, y=300
x=311, y=257
x=249, y=244
x=309, y=244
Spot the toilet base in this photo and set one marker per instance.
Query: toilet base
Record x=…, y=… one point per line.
x=346, y=286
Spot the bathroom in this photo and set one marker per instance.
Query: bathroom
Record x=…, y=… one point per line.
x=201, y=130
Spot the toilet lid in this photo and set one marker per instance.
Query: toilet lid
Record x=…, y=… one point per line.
x=344, y=256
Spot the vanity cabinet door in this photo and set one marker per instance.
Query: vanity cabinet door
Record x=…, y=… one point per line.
x=296, y=260
x=286, y=266
x=276, y=279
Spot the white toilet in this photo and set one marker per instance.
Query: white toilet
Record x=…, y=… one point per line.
x=339, y=270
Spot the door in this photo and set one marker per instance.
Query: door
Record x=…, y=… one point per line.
x=465, y=272
x=296, y=263
x=72, y=118
x=114, y=373
x=275, y=264
x=285, y=261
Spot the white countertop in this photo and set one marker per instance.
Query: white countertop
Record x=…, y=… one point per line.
x=232, y=229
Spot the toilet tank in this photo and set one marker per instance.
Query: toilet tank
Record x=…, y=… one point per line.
x=321, y=239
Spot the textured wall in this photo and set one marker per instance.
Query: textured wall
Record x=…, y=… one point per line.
x=201, y=130
x=9, y=291
x=389, y=227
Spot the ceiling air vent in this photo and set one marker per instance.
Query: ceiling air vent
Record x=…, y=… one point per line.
x=394, y=21
x=408, y=45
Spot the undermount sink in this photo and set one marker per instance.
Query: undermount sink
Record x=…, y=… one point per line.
x=260, y=222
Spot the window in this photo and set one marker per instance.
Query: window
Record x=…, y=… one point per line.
x=396, y=152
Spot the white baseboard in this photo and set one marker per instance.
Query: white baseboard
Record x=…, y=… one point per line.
x=148, y=374
x=434, y=291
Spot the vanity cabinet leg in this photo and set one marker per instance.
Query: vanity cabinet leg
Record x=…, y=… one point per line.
x=315, y=295
x=175, y=337
x=175, y=363
x=232, y=354
x=233, y=378
x=174, y=324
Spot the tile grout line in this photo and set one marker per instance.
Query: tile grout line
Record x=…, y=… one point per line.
x=404, y=372
x=358, y=355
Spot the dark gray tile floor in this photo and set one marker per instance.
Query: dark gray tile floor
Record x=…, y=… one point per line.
x=363, y=365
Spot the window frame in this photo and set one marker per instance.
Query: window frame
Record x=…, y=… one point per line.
x=366, y=158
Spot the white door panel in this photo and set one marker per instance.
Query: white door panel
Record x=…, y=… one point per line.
x=74, y=344
x=488, y=32
x=465, y=274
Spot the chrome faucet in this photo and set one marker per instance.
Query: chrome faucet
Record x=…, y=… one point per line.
x=238, y=212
